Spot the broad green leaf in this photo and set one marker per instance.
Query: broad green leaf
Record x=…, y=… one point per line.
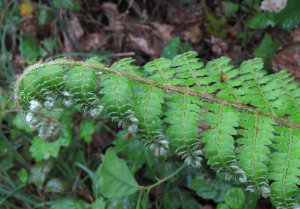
x=43, y=150
x=235, y=198
x=210, y=189
x=126, y=202
x=57, y=185
x=170, y=49
x=289, y=16
x=222, y=206
x=20, y=123
x=251, y=200
x=70, y=204
x=45, y=15
x=263, y=20
x=23, y=175
x=29, y=48
x=116, y=179
x=230, y=7
x=267, y=47
x=99, y=204
x=39, y=172
x=86, y=129
x=248, y=5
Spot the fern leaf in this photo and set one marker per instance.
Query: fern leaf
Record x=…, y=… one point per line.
x=219, y=140
x=254, y=153
x=184, y=128
x=125, y=66
x=284, y=167
x=160, y=70
x=44, y=86
x=118, y=102
x=82, y=85
x=187, y=70
x=148, y=108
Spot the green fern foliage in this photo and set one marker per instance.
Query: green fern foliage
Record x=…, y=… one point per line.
x=253, y=117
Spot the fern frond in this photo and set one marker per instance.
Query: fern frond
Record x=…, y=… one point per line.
x=160, y=70
x=254, y=153
x=148, y=109
x=188, y=70
x=118, y=102
x=82, y=85
x=184, y=128
x=219, y=140
x=125, y=66
x=285, y=167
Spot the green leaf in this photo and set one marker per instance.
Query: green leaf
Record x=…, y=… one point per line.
x=222, y=206
x=235, y=198
x=170, y=49
x=251, y=200
x=215, y=27
x=43, y=150
x=39, y=172
x=126, y=202
x=70, y=204
x=67, y=4
x=230, y=7
x=210, y=189
x=116, y=179
x=187, y=1
x=267, y=47
x=29, y=48
x=20, y=123
x=289, y=16
x=57, y=185
x=248, y=5
x=45, y=15
x=99, y=204
x=263, y=20
x=23, y=175
x=96, y=184
x=86, y=129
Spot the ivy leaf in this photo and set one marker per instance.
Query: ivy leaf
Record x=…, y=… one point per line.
x=57, y=185
x=116, y=179
x=86, y=129
x=171, y=49
x=263, y=20
x=70, y=204
x=289, y=16
x=215, y=27
x=267, y=47
x=39, y=171
x=23, y=175
x=235, y=198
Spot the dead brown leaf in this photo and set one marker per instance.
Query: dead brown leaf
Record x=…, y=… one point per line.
x=193, y=34
x=142, y=44
x=163, y=30
x=290, y=61
x=221, y=47
x=295, y=34
x=90, y=41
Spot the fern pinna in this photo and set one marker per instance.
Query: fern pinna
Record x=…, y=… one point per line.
x=254, y=117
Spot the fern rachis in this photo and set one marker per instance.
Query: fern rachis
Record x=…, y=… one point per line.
x=249, y=112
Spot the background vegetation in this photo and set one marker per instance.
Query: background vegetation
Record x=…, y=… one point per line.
x=66, y=173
